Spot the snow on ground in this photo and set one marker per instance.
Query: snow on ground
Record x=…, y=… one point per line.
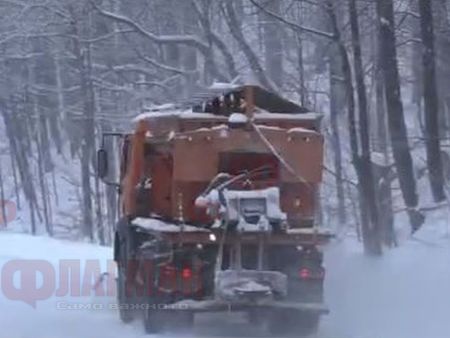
x=404, y=294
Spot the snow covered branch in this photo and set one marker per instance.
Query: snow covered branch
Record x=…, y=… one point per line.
x=189, y=40
x=291, y=24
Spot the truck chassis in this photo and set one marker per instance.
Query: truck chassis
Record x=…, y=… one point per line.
x=145, y=247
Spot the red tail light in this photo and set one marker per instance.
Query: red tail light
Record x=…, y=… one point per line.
x=186, y=273
x=307, y=274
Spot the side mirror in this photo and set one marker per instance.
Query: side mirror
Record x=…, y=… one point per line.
x=102, y=163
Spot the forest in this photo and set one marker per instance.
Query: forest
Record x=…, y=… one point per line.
x=378, y=70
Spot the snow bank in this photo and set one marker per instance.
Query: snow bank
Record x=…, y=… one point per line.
x=22, y=246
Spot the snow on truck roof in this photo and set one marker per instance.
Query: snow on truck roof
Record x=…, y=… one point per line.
x=189, y=114
x=223, y=99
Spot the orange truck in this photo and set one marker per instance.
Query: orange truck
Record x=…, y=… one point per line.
x=218, y=204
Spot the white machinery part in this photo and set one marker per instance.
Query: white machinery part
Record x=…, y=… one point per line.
x=263, y=204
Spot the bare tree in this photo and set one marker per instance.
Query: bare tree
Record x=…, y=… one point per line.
x=371, y=232
x=273, y=43
x=3, y=216
x=252, y=58
x=430, y=95
x=396, y=119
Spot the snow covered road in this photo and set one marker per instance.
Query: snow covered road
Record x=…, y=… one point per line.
x=404, y=294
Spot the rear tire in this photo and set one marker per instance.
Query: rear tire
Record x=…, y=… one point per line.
x=125, y=312
x=124, y=299
x=185, y=320
x=255, y=317
x=277, y=323
x=308, y=324
x=284, y=322
x=154, y=321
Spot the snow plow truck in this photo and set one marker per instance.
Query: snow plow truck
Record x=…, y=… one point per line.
x=217, y=212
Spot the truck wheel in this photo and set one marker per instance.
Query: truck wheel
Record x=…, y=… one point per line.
x=283, y=322
x=154, y=321
x=125, y=312
x=255, y=317
x=184, y=320
x=278, y=324
x=307, y=324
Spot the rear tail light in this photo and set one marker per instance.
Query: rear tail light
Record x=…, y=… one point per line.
x=186, y=273
x=311, y=274
x=305, y=273
x=170, y=271
x=183, y=280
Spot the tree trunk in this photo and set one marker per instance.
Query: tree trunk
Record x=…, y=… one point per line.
x=350, y=100
x=441, y=23
x=335, y=108
x=43, y=186
x=301, y=70
x=88, y=142
x=98, y=213
x=273, y=43
x=371, y=231
x=87, y=226
x=3, y=215
x=430, y=95
x=111, y=191
x=417, y=73
x=396, y=121
x=16, y=136
x=15, y=180
x=382, y=174
x=236, y=32
x=61, y=105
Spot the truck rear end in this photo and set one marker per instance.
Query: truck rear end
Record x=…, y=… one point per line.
x=219, y=215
